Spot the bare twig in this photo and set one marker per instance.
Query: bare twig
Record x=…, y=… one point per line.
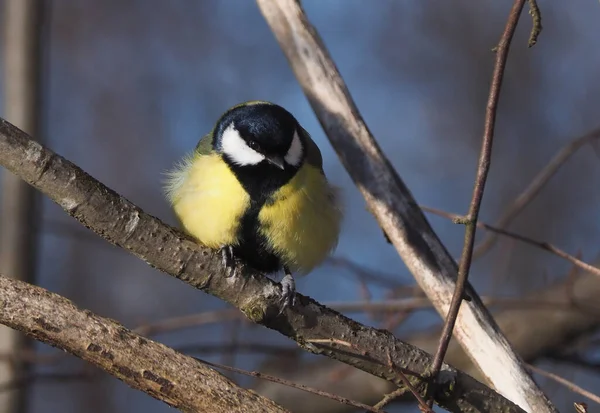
x=329, y=341
x=188, y=321
x=538, y=324
x=294, y=385
x=540, y=244
x=248, y=348
x=482, y=172
x=389, y=398
x=393, y=205
x=536, y=16
x=568, y=384
x=534, y=188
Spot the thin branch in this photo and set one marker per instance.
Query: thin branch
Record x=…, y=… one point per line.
x=188, y=321
x=540, y=323
x=480, y=180
x=248, y=348
x=391, y=306
x=142, y=363
x=536, y=28
x=534, y=188
x=393, y=205
x=119, y=221
x=540, y=244
x=568, y=384
x=298, y=386
x=389, y=398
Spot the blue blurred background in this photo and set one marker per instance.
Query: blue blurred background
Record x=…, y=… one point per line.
x=129, y=86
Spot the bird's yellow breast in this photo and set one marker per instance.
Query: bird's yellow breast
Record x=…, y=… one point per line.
x=208, y=200
x=302, y=220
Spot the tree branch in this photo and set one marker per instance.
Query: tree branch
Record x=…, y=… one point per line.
x=178, y=380
x=539, y=244
x=393, y=205
x=534, y=188
x=297, y=386
x=483, y=169
x=538, y=325
x=126, y=225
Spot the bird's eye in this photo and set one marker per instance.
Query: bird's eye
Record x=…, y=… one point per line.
x=254, y=145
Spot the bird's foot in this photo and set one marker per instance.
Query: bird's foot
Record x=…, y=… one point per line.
x=288, y=291
x=228, y=260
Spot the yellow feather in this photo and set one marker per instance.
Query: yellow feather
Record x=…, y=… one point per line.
x=302, y=221
x=196, y=188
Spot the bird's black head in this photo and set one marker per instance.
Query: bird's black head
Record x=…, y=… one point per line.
x=260, y=135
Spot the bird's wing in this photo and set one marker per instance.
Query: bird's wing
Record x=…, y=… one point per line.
x=205, y=145
x=313, y=153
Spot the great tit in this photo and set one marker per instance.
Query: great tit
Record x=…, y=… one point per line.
x=254, y=187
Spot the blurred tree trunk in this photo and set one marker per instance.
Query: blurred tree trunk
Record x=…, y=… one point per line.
x=19, y=214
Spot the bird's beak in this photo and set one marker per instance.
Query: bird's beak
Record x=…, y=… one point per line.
x=276, y=160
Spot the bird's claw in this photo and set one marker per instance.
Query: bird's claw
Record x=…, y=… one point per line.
x=288, y=291
x=228, y=260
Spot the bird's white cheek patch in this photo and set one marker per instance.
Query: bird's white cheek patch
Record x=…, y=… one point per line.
x=294, y=154
x=236, y=148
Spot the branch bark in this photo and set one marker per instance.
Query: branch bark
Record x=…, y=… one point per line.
x=176, y=379
x=394, y=206
x=534, y=331
x=126, y=225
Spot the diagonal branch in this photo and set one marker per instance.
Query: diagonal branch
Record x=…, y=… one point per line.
x=538, y=325
x=301, y=387
x=527, y=240
x=124, y=224
x=178, y=380
x=534, y=188
x=393, y=205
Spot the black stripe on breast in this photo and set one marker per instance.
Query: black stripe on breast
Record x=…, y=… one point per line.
x=260, y=182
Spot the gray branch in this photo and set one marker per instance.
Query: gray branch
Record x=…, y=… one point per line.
x=314, y=327
x=146, y=365
x=544, y=322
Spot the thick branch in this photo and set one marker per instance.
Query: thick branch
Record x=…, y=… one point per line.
x=393, y=205
x=122, y=223
x=158, y=370
x=534, y=330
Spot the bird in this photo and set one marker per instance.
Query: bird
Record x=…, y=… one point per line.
x=254, y=189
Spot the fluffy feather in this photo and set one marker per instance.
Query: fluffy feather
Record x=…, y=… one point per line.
x=208, y=199
x=299, y=223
